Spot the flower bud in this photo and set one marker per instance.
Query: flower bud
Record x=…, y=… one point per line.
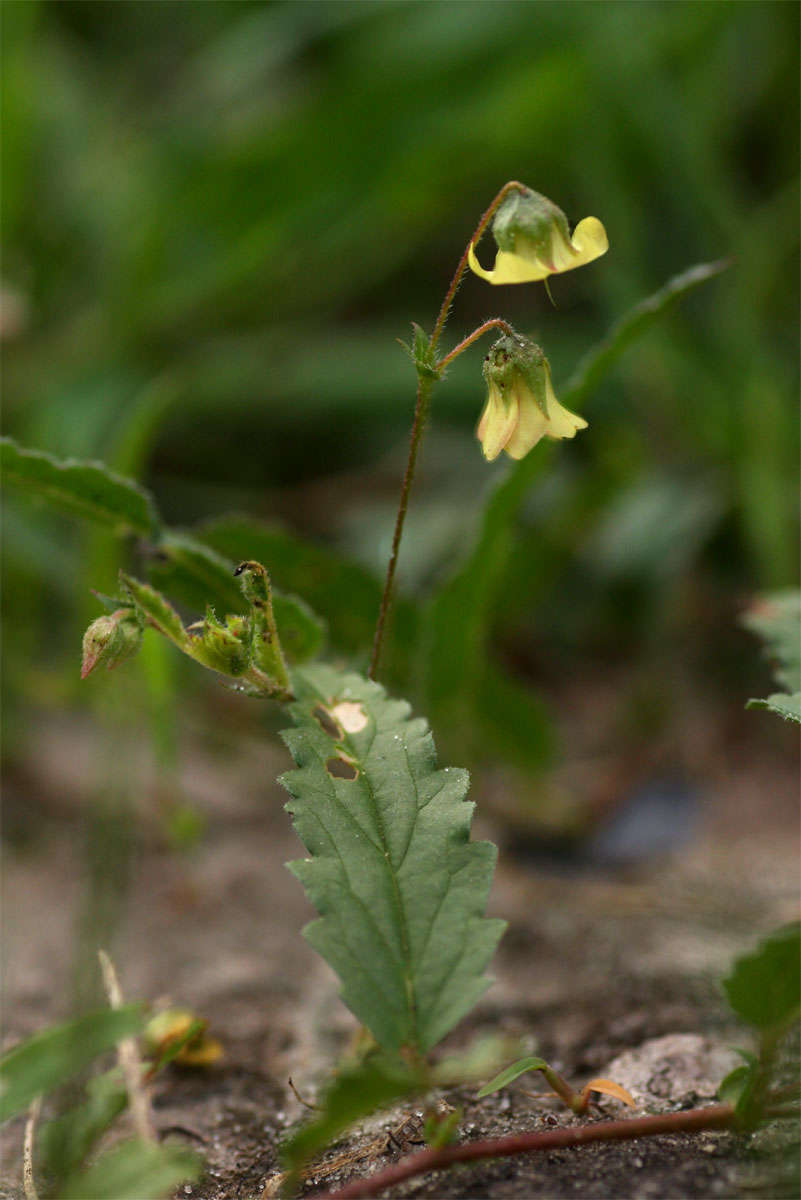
x=222, y=648
x=110, y=640
x=534, y=241
x=521, y=407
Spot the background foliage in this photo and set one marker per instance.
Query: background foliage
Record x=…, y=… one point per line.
x=217, y=218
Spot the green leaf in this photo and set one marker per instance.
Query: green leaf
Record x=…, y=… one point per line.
x=64, y=1143
x=736, y=1087
x=776, y=618
x=158, y=611
x=788, y=707
x=50, y=1058
x=764, y=988
x=85, y=489
x=135, y=1170
x=198, y=575
x=347, y=595
x=510, y=1073
x=458, y=620
x=400, y=889
x=354, y=1093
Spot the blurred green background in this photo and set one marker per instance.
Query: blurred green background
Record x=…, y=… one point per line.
x=218, y=217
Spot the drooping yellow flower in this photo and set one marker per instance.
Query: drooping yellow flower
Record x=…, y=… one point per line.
x=521, y=407
x=534, y=241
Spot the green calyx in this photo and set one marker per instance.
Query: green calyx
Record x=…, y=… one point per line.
x=527, y=214
x=513, y=356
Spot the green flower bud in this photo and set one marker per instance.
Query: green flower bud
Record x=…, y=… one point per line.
x=222, y=648
x=110, y=640
x=521, y=407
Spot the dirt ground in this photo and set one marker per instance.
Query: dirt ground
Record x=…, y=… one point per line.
x=596, y=961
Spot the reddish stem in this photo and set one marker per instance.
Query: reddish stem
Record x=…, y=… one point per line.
x=716, y=1116
x=493, y=323
x=460, y=270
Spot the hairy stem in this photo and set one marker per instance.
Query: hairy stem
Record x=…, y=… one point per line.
x=423, y=396
x=511, y=186
x=493, y=323
x=716, y=1116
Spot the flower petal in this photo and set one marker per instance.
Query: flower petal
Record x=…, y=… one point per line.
x=589, y=240
x=531, y=426
x=562, y=423
x=497, y=425
x=476, y=266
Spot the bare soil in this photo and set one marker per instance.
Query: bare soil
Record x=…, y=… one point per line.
x=594, y=962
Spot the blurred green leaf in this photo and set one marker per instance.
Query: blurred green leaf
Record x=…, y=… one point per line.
x=51, y=1058
x=84, y=489
x=776, y=618
x=510, y=1073
x=654, y=529
x=135, y=1170
x=787, y=707
x=764, y=988
x=63, y=1144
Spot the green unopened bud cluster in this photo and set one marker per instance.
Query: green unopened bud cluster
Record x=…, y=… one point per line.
x=246, y=647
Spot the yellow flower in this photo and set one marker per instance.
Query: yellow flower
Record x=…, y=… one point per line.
x=521, y=406
x=534, y=241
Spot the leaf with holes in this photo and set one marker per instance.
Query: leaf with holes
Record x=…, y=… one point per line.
x=400, y=888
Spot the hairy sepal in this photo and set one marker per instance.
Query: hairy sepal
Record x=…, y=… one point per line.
x=400, y=888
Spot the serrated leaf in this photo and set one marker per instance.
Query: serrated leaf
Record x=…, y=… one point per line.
x=136, y=1170
x=788, y=707
x=510, y=1073
x=776, y=618
x=199, y=576
x=85, y=489
x=400, y=889
x=51, y=1058
x=353, y=1094
x=764, y=988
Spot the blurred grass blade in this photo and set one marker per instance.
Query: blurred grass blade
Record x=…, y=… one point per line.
x=637, y=321
x=50, y=1058
x=198, y=576
x=85, y=489
x=134, y=1171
